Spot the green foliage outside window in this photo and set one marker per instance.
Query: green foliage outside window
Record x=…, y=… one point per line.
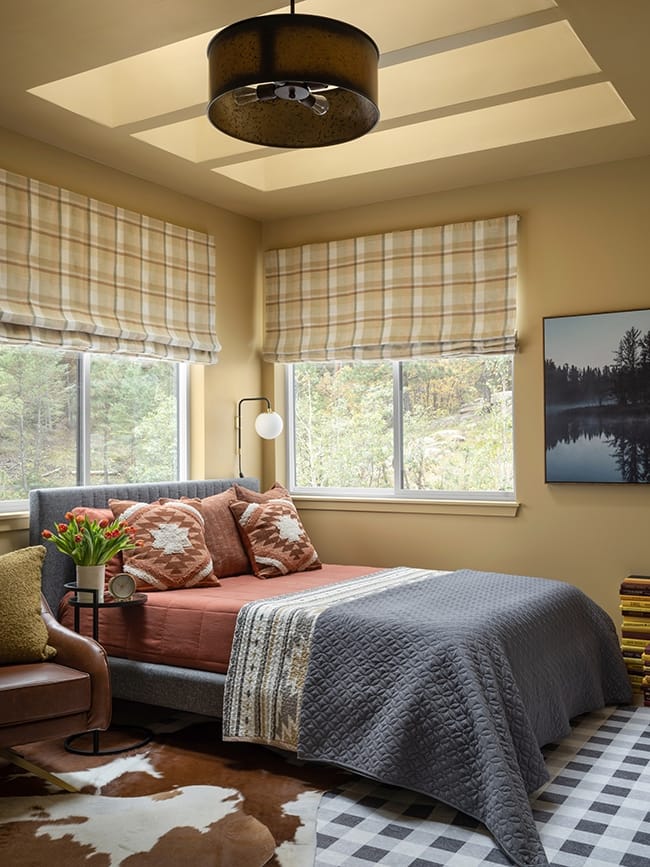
x=343, y=425
x=38, y=420
x=132, y=420
x=455, y=418
x=133, y=428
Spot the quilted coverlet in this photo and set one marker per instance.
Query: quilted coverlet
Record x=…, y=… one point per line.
x=443, y=683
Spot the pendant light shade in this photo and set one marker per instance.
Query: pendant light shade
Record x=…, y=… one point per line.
x=293, y=81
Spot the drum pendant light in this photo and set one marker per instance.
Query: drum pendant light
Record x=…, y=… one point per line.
x=293, y=81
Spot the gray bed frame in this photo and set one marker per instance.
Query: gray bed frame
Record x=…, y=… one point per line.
x=166, y=685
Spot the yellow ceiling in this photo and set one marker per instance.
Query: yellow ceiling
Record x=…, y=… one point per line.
x=467, y=89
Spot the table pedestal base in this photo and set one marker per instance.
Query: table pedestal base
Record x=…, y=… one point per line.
x=140, y=737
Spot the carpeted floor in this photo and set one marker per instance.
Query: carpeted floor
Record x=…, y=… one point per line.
x=594, y=812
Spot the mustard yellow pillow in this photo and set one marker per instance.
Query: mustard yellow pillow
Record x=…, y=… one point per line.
x=23, y=636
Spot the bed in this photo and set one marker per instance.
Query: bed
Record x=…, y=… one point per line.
x=446, y=683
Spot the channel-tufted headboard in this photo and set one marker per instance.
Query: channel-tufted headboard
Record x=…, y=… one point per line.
x=48, y=506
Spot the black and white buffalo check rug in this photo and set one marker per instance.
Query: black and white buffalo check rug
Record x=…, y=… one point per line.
x=594, y=811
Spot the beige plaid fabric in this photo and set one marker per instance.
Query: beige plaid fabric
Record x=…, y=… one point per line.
x=84, y=275
x=443, y=290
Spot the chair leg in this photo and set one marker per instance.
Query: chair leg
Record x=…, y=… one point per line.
x=16, y=759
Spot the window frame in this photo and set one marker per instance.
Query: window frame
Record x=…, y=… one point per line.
x=398, y=493
x=182, y=393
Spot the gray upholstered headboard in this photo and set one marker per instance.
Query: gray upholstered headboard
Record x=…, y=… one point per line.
x=49, y=505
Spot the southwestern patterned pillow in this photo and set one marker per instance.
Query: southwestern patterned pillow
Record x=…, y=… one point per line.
x=277, y=492
x=222, y=538
x=172, y=553
x=275, y=538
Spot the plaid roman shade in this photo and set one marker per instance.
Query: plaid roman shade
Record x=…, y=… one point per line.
x=81, y=274
x=444, y=290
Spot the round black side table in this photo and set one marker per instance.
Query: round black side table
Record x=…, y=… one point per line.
x=141, y=734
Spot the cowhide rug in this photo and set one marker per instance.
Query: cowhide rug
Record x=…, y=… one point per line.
x=185, y=796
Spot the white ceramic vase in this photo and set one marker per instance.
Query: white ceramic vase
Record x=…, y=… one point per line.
x=91, y=578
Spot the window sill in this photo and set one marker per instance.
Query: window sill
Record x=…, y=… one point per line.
x=484, y=508
x=10, y=521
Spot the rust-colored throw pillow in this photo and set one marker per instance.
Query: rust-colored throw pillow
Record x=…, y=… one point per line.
x=275, y=538
x=172, y=553
x=116, y=563
x=277, y=492
x=224, y=543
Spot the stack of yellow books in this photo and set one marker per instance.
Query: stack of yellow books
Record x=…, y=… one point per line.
x=635, y=632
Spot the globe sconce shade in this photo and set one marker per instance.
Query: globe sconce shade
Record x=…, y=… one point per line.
x=268, y=425
x=293, y=81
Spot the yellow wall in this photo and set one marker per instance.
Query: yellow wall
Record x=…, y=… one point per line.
x=584, y=247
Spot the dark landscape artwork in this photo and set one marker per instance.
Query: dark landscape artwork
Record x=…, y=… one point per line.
x=597, y=397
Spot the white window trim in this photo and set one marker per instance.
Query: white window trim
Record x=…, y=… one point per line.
x=400, y=506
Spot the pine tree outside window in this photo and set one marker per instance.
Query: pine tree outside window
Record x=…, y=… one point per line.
x=73, y=418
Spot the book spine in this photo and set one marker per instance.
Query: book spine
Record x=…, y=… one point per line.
x=635, y=633
x=635, y=612
x=638, y=624
x=634, y=643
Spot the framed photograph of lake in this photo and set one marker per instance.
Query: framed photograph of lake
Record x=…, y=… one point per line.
x=597, y=397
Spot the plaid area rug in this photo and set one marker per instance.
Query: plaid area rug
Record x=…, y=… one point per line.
x=594, y=811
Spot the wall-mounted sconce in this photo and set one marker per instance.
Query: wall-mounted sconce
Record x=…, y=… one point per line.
x=268, y=425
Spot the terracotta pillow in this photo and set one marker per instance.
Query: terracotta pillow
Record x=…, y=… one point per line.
x=23, y=633
x=224, y=543
x=172, y=553
x=277, y=492
x=275, y=538
x=115, y=564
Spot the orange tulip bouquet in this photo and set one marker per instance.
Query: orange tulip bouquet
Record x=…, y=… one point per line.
x=90, y=542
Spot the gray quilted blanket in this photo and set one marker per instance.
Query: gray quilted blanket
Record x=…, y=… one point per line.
x=449, y=686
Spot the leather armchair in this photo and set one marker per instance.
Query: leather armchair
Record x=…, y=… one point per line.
x=67, y=695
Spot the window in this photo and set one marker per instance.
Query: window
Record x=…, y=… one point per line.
x=70, y=418
x=437, y=428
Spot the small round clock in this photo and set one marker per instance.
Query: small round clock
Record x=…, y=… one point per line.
x=121, y=586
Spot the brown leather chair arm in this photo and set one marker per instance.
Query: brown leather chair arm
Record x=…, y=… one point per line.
x=84, y=654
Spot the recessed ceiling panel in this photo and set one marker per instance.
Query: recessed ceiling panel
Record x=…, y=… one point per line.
x=539, y=117
x=517, y=61
x=195, y=140
x=147, y=85
x=394, y=26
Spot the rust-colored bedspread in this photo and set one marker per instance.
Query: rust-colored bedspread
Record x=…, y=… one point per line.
x=194, y=628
